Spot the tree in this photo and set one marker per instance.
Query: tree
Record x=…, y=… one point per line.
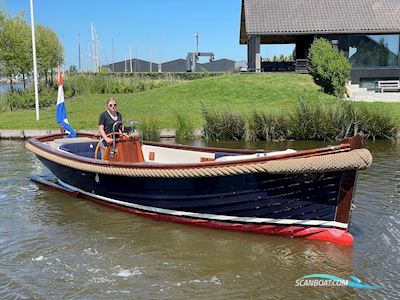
x=14, y=47
x=2, y=20
x=104, y=70
x=49, y=51
x=329, y=67
x=24, y=61
x=73, y=69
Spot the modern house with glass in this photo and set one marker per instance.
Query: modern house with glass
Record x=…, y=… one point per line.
x=367, y=31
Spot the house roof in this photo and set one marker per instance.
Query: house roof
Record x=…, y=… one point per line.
x=296, y=17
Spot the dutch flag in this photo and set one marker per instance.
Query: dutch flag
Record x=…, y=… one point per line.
x=61, y=112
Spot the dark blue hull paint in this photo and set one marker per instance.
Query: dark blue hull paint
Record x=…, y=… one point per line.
x=300, y=196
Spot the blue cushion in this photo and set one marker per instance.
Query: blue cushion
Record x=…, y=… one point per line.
x=222, y=154
x=82, y=149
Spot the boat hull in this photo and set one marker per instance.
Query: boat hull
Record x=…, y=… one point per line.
x=311, y=205
x=334, y=235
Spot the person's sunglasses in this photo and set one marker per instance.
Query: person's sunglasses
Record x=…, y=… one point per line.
x=112, y=105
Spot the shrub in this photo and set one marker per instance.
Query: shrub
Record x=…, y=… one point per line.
x=166, y=75
x=223, y=125
x=329, y=67
x=184, y=127
x=3, y=105
x=108, y=83
x=26, y=99
x=80, y=84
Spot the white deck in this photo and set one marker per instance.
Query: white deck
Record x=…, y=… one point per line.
x=173, y=156
x=57, y=143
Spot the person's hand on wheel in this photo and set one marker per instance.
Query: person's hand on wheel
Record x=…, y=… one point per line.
x=108, y=140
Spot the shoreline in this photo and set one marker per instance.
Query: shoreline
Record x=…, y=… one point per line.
x=23, y=134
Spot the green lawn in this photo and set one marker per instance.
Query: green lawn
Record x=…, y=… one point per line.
x=244, y=93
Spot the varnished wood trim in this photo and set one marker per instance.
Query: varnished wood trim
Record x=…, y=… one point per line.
x=347, y=184
x=152, y=155
x=204, y=159
x=356, y=142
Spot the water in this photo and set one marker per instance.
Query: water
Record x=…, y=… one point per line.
x=53, y=245
x=5, y=87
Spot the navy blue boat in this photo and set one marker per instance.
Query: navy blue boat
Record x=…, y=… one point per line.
x=288, y=193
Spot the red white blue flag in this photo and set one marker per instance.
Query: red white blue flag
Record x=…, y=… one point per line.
x=61, y=112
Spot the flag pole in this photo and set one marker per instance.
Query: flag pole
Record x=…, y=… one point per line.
x=59, y=80
x=35, y=83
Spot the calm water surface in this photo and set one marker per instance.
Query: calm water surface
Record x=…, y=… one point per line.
x=53, y=245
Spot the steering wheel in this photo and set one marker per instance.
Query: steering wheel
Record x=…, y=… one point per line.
x=100, y=143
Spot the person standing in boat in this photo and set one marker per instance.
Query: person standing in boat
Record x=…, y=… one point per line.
x=107, y=120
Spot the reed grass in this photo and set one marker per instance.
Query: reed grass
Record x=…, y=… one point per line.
x=267, y=126
x=377, y=122
x=323, y=121
x=340, y=119
x=150, y=128
x=223, y=125
x=306, y=120
x=184, y=127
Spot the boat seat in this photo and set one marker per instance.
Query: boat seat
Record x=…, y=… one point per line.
x=85, y=149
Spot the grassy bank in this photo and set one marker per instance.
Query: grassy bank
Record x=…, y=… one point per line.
x=271, y=93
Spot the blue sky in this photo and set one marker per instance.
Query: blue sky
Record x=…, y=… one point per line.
x=161, y=29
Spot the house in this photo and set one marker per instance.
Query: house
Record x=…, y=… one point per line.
x=367, y=31
x=137, y=65
x=177, y=65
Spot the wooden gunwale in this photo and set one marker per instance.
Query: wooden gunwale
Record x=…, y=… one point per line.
x=38, y=143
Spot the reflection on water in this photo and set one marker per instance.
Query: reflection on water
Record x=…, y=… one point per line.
x=53, y=245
